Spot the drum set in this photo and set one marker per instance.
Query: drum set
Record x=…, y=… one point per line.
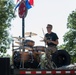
x=25, y=54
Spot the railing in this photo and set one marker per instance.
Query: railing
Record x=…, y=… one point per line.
x=44, y=72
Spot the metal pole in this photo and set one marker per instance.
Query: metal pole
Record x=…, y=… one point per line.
x=23, y=28
x=23, y=35
x=22, y=14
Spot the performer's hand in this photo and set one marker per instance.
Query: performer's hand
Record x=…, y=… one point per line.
x=49, y=41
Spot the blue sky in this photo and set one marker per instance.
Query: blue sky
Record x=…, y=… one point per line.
x=54, y=12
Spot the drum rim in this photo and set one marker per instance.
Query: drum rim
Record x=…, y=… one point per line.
x=40, y=46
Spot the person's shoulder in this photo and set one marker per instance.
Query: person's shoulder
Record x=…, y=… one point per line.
x=54, y=33
x=46, y=34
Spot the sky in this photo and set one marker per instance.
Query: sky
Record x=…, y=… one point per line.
x=44, y=12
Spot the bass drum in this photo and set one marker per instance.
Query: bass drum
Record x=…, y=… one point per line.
x=16, y=59
x=61, y=58
x=29, y=60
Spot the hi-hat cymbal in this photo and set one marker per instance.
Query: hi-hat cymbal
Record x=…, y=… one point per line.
x=30, y=34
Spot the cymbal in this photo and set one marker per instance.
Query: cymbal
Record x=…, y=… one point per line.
x=30, y=34
x=18, y=37
x=18, y=42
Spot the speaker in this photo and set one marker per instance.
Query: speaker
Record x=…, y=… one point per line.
x=4, y=66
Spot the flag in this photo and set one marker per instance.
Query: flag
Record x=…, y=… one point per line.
x=31, y=2
x=28, y=6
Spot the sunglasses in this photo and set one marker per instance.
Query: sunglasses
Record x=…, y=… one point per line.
x=48, y=27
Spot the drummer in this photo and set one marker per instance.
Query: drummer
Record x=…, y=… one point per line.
x=51, y=40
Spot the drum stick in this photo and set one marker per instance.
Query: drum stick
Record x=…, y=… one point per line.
x=43, y=32
x=44, y=35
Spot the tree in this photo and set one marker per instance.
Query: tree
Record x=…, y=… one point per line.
x=6, y=15
x=70, y=36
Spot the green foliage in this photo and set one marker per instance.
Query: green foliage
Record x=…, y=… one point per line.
x=70, y=36
x=61, y=47
x=6, y=15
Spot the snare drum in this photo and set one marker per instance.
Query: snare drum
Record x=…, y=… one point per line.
x=39, y=48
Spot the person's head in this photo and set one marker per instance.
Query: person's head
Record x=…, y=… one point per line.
x=49, y=28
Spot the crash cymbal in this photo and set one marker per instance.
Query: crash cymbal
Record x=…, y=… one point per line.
x=30, y=34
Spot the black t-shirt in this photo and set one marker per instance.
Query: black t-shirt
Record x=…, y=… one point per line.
x=52, y=36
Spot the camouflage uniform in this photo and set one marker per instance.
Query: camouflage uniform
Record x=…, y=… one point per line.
x=49, y=51
x=46, y=59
